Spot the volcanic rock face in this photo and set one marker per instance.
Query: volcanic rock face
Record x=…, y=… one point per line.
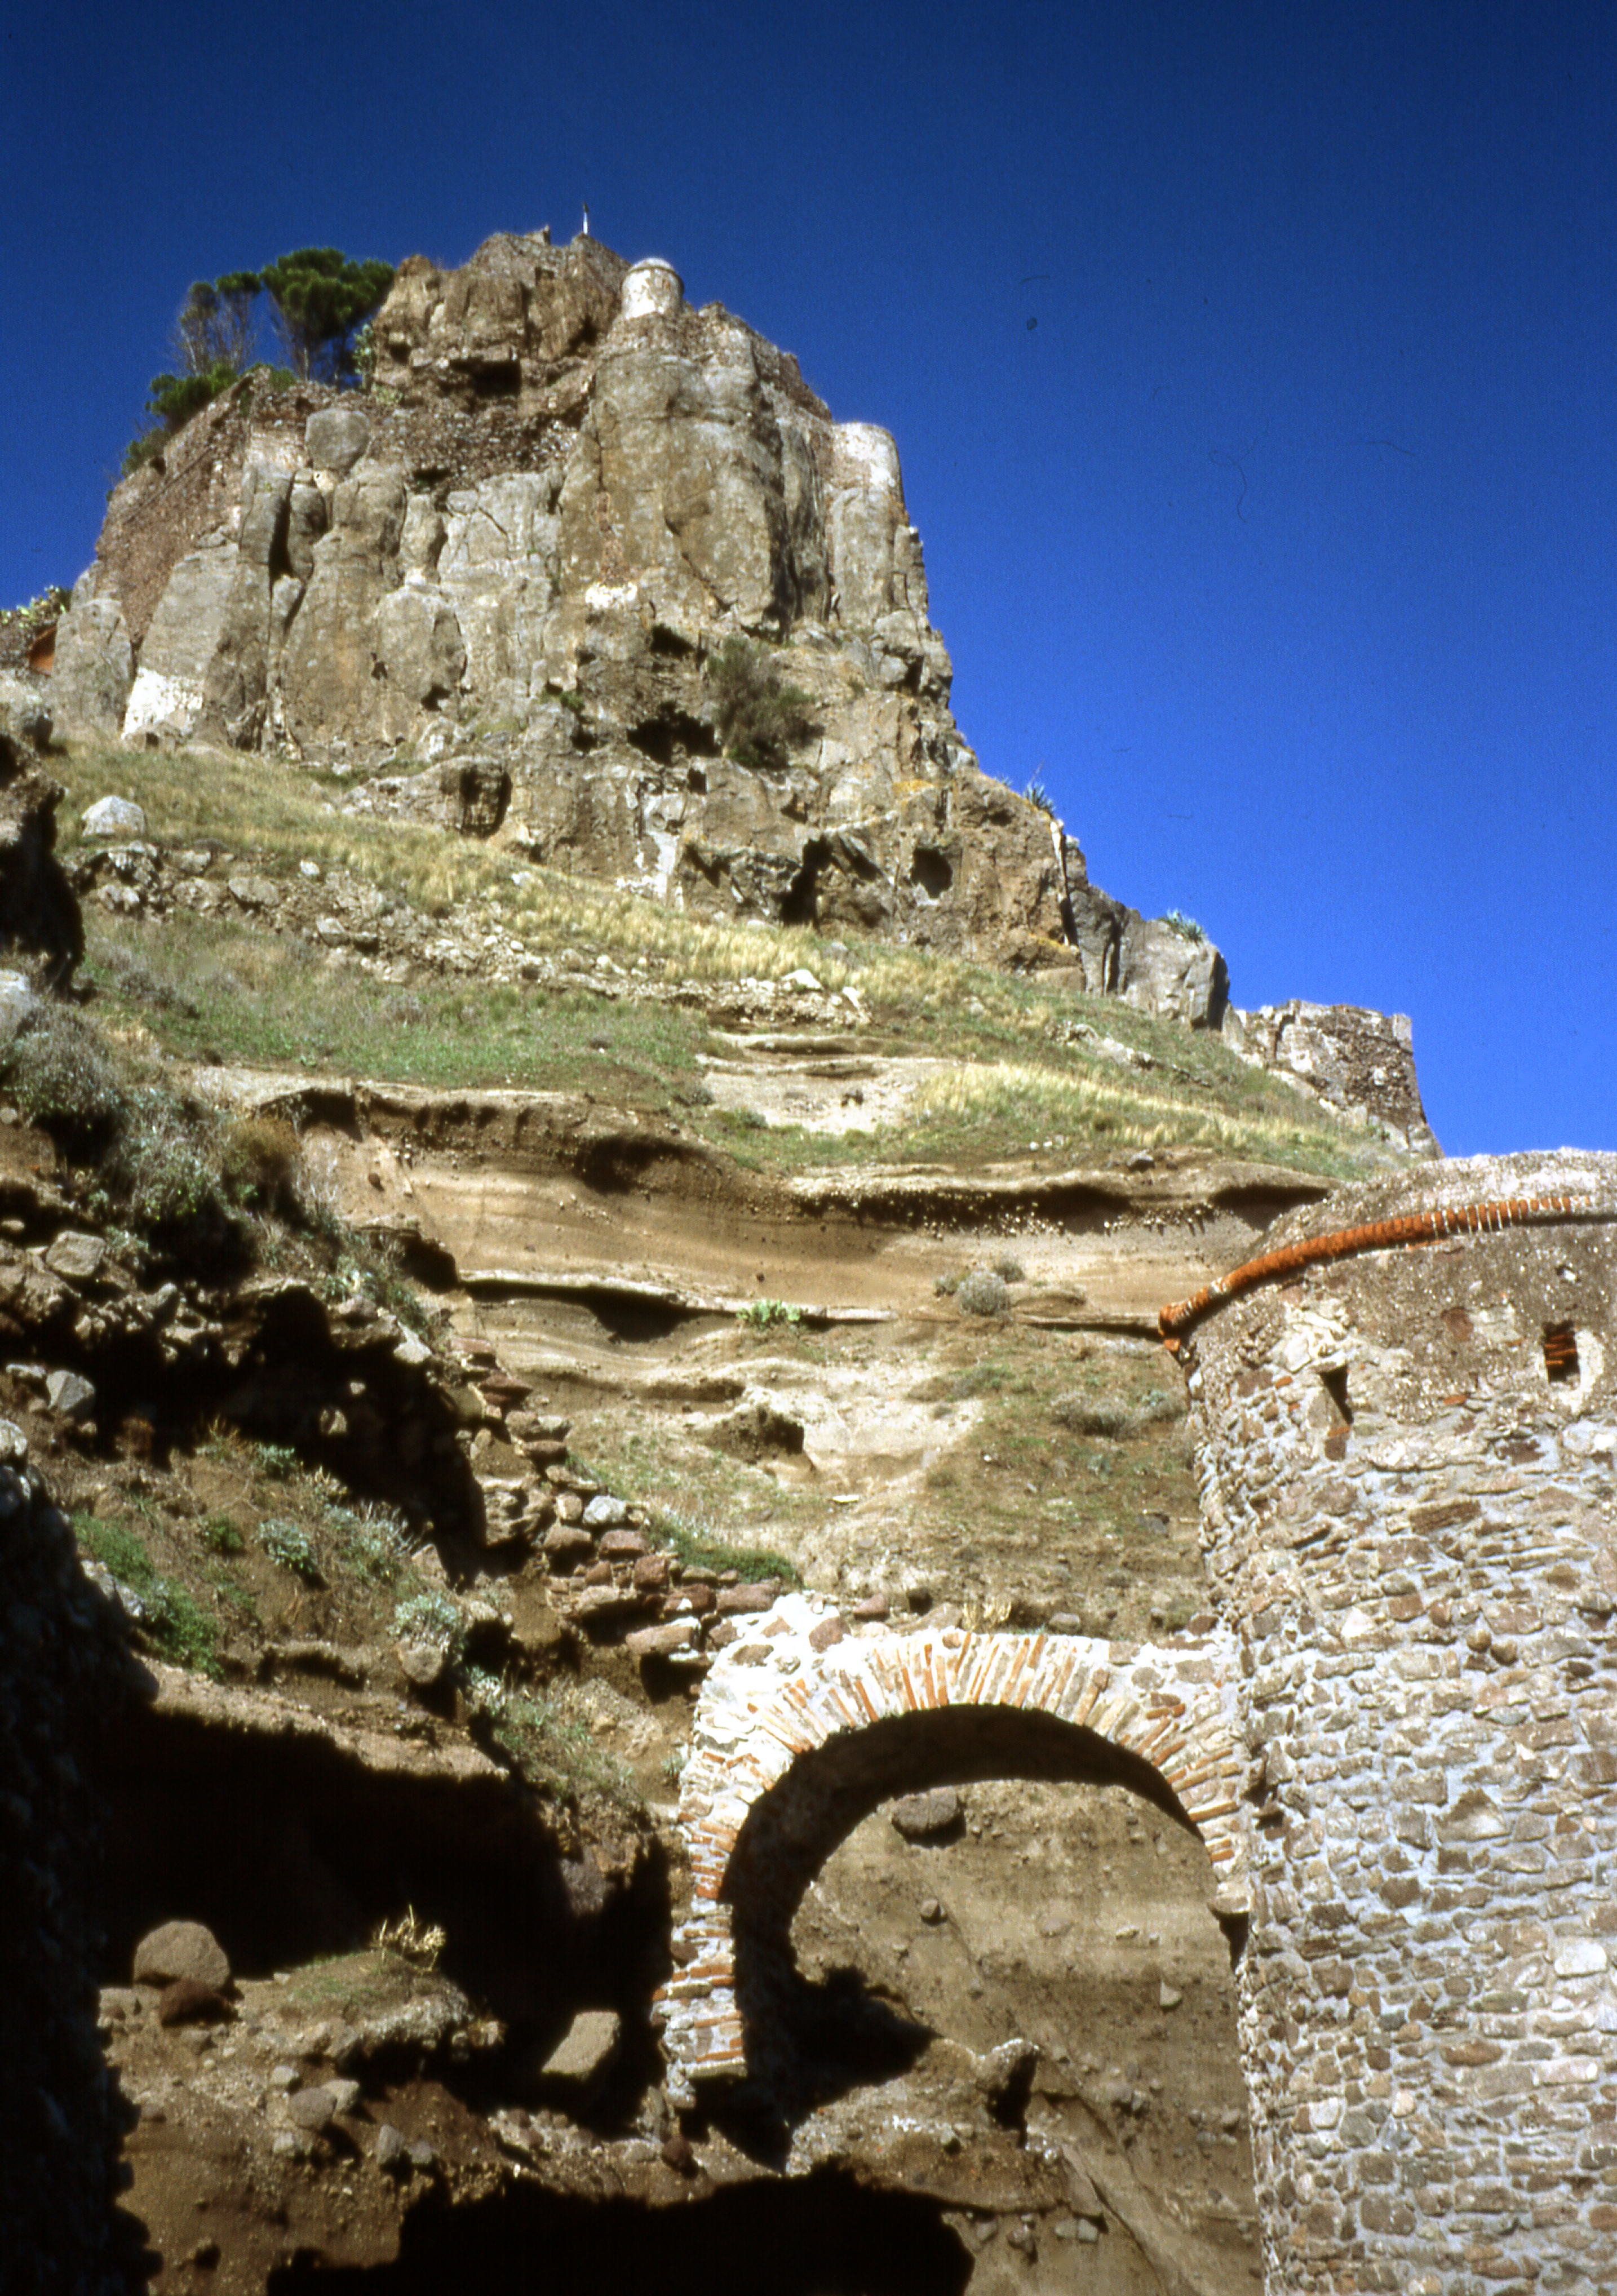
x=506, y=576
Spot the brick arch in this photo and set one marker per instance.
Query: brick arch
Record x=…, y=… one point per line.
x=789, y=1747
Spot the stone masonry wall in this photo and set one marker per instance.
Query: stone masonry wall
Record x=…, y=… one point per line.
x=804, y=1685
x=1409, y=1459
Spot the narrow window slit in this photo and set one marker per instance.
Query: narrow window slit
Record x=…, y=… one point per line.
x=1560, y=1353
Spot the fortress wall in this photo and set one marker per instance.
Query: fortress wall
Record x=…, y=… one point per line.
x=1409, y=1460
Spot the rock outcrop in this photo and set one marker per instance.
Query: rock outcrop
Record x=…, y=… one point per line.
x=1359, y=1063
x=501, y=585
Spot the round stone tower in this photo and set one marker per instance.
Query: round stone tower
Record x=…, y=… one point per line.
x=652, y=289
x=1406, y=1420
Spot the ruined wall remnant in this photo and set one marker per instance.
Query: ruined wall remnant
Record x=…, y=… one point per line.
x=1409, y=1461
x=800, y=1734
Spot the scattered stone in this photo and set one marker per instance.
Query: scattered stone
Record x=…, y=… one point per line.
x=829, y=1631
x=605, y=1513
x=680, y=2154
x=566, y=1544
x=66, y=1393
x=421, y=2155
x=570, y=1506
x=1168, y=1996
x=181, y=1949
x=931, y=1910
x=871, y=1608
x=588, y=2048
x=762, y=1595
x=425, y=1664
x=389, y=2151
x=620, y=1546
x=921, y=1817
x=285, y=2077
x=76, y=1258
x=662, y=1642
x=313, y=2109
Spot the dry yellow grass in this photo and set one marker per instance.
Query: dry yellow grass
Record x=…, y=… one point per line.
x=1019, y=1067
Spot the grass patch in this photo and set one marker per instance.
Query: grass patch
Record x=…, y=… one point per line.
x=175, y=1623
x=703, y=1546
x=1028, y=1062
x=558, y=1755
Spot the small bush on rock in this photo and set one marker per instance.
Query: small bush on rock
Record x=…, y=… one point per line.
x=760, y=718
x=984, y=1293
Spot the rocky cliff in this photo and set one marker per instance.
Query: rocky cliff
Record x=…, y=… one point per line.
x=498, y=587
x=596, y=576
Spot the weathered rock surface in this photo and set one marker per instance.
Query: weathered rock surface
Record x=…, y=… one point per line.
x=509, y=574
x=1360, y=1062
x=181, y=1949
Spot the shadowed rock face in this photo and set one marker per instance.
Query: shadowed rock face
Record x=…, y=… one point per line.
x=39, y=918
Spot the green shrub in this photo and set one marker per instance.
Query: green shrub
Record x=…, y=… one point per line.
x=1010, y=1269
x=220, y=1535
x=277, y=1462
x=263, y=1163
x=759, y=717
x=175, y=1623
x=701, y=1547
x=1112, y=1416
x=146, y=447
x=431, y=1618
x=290, y=1545
x=174, y=398
x=152, y=1155
x=374, y=1541
x=1185, y=927
x=557, y=1753
x=760, y=1313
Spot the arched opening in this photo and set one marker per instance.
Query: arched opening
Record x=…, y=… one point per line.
x=1041, y=1970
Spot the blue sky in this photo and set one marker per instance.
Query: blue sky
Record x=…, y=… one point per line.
x=1252, y=366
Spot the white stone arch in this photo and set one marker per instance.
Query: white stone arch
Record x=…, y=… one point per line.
x=774, y=1700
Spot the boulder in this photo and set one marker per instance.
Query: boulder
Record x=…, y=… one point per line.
x=924, y=1816
x=181, y=1949
x=337, y=436
x=117, y=819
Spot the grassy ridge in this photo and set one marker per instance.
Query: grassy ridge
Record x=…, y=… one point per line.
x=1030, y=1065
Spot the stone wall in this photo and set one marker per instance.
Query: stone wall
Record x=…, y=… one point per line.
x=805, y=1727
x=1408, y=1458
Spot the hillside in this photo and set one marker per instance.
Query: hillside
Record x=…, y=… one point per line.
x=469, y=1253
